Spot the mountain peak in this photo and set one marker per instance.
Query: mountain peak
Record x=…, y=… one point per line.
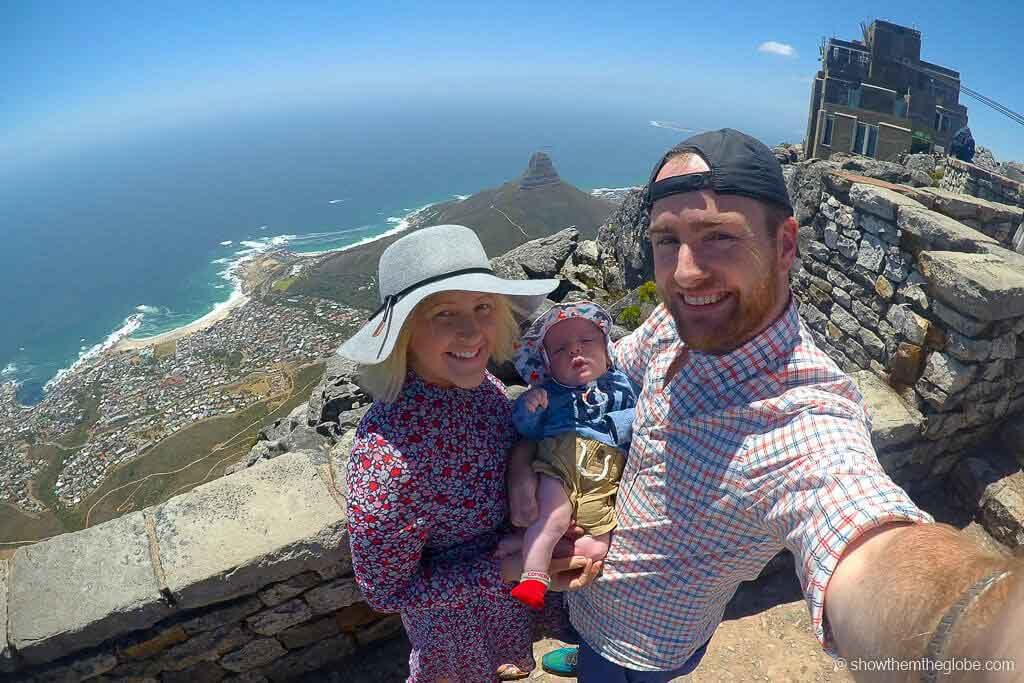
x=539, y=173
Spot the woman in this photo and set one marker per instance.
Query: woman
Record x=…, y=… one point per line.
x=426, y=475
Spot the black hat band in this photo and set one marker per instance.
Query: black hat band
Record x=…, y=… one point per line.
x=680, y=184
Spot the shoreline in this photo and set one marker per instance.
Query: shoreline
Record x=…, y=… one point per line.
x=219, y=313
x=245, y=286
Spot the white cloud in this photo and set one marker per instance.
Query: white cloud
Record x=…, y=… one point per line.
x=772, y=47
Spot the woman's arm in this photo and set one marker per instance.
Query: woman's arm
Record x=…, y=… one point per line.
x=388, y=531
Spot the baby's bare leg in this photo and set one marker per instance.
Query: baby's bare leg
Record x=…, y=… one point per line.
x=555, y=514
x=594, y=547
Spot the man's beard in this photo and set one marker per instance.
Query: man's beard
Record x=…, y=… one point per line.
x=748, y=318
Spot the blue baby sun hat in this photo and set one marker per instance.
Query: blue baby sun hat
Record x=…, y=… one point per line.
x=530, y=359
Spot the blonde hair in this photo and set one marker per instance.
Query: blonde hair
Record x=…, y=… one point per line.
x=384, y=380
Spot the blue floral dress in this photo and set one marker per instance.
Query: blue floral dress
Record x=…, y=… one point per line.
x=426, y=506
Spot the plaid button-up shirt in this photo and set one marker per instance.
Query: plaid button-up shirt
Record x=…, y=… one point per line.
x=739, y=456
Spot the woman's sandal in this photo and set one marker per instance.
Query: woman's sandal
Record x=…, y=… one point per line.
x=511, y=672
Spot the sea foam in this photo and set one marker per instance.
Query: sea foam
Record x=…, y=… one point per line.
x=130, y=324
x=669, y=125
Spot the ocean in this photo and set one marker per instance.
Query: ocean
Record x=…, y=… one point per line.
x=139, y=237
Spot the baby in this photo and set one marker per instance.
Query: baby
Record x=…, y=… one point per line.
x=580, y=410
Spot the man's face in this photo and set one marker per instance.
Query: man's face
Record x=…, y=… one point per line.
x=721, y=275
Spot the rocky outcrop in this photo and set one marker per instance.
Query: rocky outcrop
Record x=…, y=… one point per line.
x=888, y=171
x=539, y=172
x=537, y=259
x=788, y=154
x=624, y=237
x=924, y=163
x=336, y=405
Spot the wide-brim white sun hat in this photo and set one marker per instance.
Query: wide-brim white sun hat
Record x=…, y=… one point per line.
x=440, y=258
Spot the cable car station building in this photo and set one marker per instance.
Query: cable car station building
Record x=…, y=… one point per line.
x=879, y=98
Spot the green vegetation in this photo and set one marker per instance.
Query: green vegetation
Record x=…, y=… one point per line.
x=284, y=283
x=232, y=359
x=937, y=174
x=631, y=317
x=647, y=293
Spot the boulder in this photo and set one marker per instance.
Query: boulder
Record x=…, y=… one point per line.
x=893, y=422
x=337, y=392
x=537, y=259
x=924, y=163
x=929, y=230
x=304, y=438
x=982, y=286
x=588, y=252
x=880, y=201
x=888, y=171
x=947, y=373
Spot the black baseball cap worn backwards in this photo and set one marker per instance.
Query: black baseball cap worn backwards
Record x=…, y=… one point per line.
x=739, y=165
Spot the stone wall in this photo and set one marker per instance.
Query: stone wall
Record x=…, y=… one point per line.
x=962, y=177
x=894, y=281
x=246, y=578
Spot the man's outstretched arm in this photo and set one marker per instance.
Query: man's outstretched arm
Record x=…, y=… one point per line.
x=919, y=591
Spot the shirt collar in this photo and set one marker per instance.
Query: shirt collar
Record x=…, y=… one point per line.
x=766, y=350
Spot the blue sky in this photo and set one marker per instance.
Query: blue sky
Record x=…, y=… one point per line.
x=81, y=73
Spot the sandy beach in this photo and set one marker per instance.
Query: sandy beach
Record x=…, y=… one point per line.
x=207, y=320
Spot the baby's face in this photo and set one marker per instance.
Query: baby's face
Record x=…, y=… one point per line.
x=576, y=350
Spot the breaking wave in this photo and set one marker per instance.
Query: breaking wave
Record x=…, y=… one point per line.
x=130, y=324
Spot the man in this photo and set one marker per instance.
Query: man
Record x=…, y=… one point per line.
x=748, y=439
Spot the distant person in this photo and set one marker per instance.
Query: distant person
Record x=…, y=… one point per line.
x=748, y=440
x=962, y=146
x=426, y=474
x=580, y=412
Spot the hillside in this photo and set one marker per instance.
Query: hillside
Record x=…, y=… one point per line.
x=537, y=204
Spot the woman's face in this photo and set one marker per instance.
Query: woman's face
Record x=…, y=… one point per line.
x=452, y=337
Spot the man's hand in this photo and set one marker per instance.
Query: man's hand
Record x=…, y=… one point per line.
x=573, y=573
x=535, y=399
x=567, y=573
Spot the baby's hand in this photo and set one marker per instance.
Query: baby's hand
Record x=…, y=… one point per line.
x=536, y=399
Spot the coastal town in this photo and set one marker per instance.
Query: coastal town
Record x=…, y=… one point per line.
x=127, y=399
